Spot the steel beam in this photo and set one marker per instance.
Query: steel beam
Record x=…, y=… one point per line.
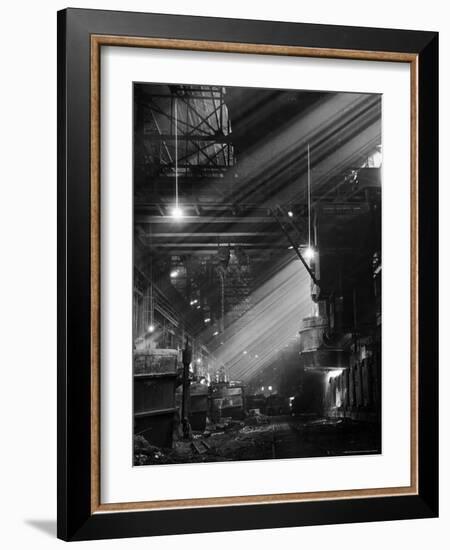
x=149, y=218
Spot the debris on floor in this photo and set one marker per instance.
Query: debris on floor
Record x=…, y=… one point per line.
x=259, y=436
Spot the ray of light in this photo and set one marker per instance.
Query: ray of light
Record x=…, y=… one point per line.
x=272, y=322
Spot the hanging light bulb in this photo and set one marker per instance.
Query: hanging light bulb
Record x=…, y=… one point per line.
x=177, y=213
x=309, y=253
x=151, y=328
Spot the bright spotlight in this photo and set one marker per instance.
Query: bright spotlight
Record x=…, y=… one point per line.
x=177, y=213
x=151, y=328
x=290, y=214
x=199, y=361
x=270, y=388
x=174, y=274
x=309, y=253
x=216, y=333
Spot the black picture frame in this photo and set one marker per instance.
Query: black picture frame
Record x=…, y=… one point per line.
x=76, y=520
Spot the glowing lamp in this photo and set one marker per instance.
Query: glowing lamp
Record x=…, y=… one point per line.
x=177, y=213
x=309, y=253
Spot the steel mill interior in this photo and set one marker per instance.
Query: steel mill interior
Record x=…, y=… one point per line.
x=257, y=273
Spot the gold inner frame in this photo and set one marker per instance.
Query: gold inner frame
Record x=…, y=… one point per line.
x=97, y=41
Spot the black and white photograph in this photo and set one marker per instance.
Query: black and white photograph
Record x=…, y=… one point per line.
x=223, y=290
x=257, y=273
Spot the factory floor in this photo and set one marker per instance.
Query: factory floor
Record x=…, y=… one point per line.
x=273, y=437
